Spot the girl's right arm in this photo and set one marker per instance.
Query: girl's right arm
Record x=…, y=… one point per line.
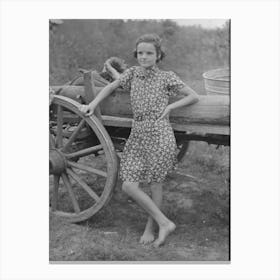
x=106, y=91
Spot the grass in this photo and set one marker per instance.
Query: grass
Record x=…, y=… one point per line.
x=197, y=202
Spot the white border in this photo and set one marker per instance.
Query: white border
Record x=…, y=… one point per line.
x=255, y=138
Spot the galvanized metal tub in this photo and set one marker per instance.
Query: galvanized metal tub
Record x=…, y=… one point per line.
x=217, y=81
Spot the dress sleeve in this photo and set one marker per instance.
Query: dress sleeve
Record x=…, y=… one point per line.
x=126, y=78
x=173, y=84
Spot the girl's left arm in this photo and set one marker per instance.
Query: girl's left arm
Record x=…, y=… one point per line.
x=191, y=98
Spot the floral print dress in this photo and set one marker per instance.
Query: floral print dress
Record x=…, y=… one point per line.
x=150, y=151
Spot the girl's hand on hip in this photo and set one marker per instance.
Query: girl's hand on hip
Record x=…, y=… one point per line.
x=165, y=113
x=87, y=110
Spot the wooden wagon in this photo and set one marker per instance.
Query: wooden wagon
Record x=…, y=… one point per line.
x=83, y=159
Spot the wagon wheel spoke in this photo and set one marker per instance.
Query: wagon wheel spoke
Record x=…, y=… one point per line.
x=87, y=168
x=59, y=126
x=71, y=193
x=84, y=152
x=183, y=150
x=55, y=192
x=83, y=184
x=74, y=135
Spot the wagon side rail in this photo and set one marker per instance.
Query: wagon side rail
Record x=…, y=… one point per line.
x=211, y=115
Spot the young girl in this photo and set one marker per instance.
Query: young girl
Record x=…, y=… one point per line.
x=150, y=151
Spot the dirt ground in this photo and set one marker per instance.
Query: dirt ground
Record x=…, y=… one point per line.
x=196, y=198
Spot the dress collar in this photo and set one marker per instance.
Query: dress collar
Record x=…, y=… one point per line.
x=145, y=73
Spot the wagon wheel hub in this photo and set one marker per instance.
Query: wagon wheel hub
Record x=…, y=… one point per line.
x=57, y=162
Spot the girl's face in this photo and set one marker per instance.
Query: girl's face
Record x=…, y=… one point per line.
x=146, y=55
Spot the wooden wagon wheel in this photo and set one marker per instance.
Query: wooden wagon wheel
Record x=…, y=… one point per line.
x=82, y=181
x=182, y=149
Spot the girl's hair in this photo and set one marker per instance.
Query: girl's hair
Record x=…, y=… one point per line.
x=153, y=39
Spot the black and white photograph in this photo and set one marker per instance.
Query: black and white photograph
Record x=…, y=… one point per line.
x=139, y=140
x=139, y=122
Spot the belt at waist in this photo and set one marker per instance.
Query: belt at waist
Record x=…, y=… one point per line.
x=145, y=118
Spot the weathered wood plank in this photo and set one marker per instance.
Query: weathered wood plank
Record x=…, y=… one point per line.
x=90, y=92
x=73, y=92
x=191, y=128
x=210, y=113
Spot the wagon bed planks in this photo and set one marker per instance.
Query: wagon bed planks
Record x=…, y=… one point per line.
x=209, y=115
x=190, y=128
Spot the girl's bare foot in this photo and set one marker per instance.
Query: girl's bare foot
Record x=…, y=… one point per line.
x=147, y=237
x=164, y=231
